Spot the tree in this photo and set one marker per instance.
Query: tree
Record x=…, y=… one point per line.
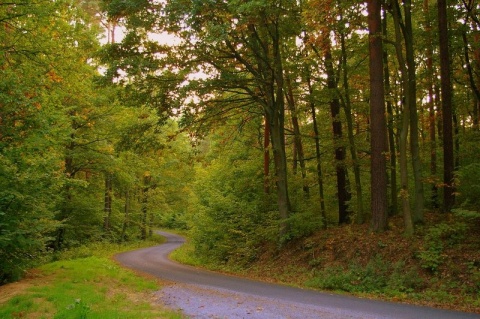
x=377, y=119
x=432, y=114
x=248, y=63
x=342, y=191
x=37, y=39
x=446, y=94
x=408, y=108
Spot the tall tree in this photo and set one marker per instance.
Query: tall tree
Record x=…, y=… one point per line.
x=413, y=118
x=390, y=126
x=318, y=155
x=447, y=113
x=299, y=155
x=247, y=56
x=322, y=27
x=347, y=106
x=432, y=113
x=406, y=116
x=39, y=41
x=342, y=190
x=377, y=119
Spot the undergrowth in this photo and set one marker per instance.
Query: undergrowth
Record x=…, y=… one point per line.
x=376, y=277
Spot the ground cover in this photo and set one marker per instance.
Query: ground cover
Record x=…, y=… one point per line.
x=85, y=283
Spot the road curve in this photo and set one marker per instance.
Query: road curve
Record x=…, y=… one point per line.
x=155, y=261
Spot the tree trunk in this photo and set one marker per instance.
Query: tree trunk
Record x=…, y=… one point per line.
x=446, y=95
x=269, y=76
x=126, y=212
x=412, y=97
x=66, y=209
x=343, y=193
x=404, y=193
x=150, y=225
x=318, y=155
x=456, y=141
x=431, y=106
x=391, y=130
x=278, y=131
x=266, y=157
x=298, y=149
x=471, y=77
x=360, y=211
x=144, y=221
x=280, y=161
x=406, y=116
x=107, y=207
x=476, y=105
x=378, y=129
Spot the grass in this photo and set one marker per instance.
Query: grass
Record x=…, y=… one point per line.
x=88, y=284
x=185, y=254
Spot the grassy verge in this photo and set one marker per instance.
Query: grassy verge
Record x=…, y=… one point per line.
x=85, y=283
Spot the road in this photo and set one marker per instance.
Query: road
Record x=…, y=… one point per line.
x=216, y=295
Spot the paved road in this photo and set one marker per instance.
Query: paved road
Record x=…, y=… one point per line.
x=212, y=287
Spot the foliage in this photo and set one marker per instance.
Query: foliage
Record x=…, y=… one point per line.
x=469, y=188
x=302, y=224
x=103, y=249
x=436, y=239
x=225, y=220
x=30, y=132
x=89, y=157
x=62, y=135
x=375, y=277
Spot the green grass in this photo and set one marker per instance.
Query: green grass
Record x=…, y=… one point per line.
x=185, y=254
x=91, y=287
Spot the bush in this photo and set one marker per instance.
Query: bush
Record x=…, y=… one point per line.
x=435, y=240
x=377, y=276
x=469, y=186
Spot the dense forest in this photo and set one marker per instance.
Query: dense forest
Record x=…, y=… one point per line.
x=244, y=122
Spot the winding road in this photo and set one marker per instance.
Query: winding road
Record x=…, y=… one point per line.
x=205, y=294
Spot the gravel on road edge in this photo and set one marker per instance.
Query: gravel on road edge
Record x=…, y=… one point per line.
x=203, y=302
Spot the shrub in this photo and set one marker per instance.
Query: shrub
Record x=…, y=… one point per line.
x=435, y=240
x=377, y=276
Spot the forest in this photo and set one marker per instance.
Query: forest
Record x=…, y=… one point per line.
x=246, y=123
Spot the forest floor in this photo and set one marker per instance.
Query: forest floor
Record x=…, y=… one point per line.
x=439, y=266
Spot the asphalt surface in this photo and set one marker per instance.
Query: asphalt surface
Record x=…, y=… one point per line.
x=205, y=294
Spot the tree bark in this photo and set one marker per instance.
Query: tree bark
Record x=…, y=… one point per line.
x=107, y=207
x=360, y=211
x=343, y=194
x=476, y=105
x=298, y=149
x=391, y=130
x=318, y=156
x=66, y=210
x=412, y=97
x=431, y=105
x=266, y=157
x=378, y=138
x=126, y=217
x=270, y=80
x=403, y=140
x=279, y=135
x=144, y=220
x=471, y=77
x=446, y=95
